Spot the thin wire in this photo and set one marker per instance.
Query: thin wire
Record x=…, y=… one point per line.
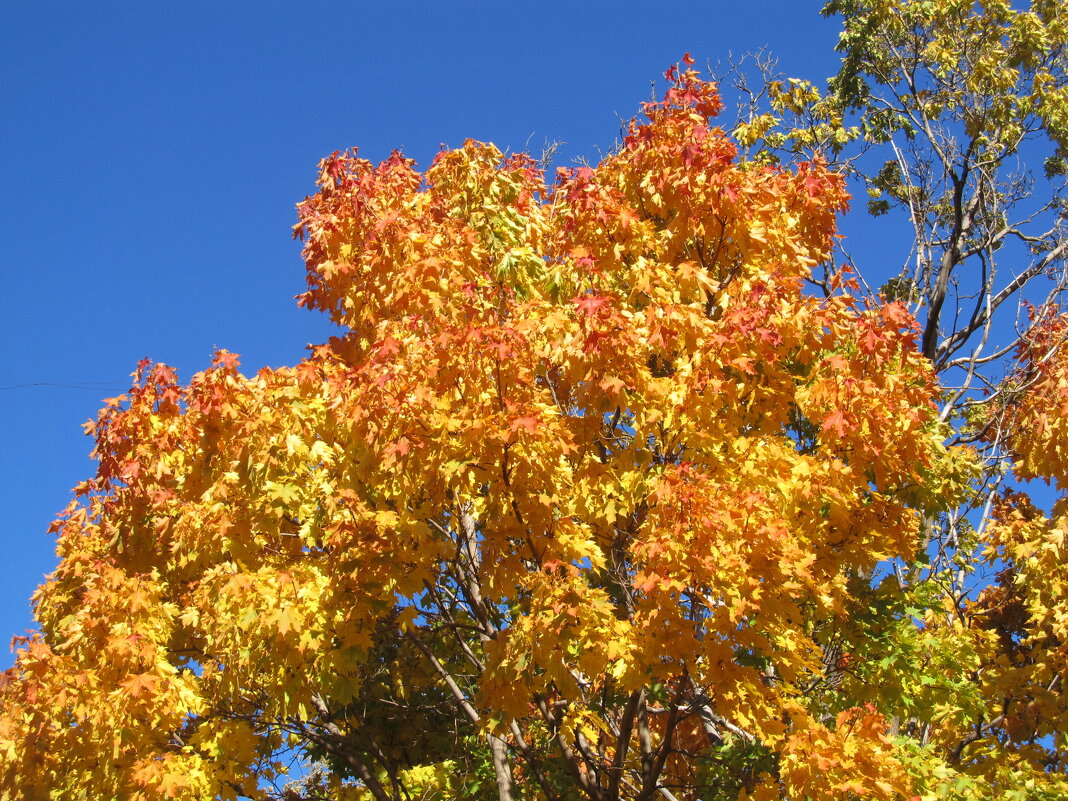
x=89, y=385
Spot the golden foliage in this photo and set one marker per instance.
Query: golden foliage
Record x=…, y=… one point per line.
x=586, y=450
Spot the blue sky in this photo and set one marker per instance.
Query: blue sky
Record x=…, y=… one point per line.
x=151, y=155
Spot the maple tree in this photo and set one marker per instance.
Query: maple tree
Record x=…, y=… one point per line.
x=588, y=498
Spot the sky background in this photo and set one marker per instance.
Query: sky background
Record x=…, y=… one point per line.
x=151, y=155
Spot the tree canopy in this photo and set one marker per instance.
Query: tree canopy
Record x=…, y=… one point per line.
x=617, y=485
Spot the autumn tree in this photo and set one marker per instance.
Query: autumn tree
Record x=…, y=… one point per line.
x=589, y=497
x=951, y=117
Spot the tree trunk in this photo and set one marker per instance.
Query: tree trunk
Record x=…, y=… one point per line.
x=502, y=768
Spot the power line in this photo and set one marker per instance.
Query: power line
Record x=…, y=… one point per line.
x=88, y=385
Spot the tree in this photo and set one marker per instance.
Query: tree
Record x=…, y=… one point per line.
x=588, y=498
x=942, y=112
x=952, y=102
x=582, y=486
x=963, y=97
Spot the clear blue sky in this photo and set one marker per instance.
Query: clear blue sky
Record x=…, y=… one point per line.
x=151, y=155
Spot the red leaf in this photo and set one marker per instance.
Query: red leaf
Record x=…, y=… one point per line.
x=836, y=421
x=530, y=423
x=226, y=360
x=589, y=304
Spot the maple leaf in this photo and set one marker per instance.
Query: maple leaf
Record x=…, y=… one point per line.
x=143, y=683
x=170, y=394
x=837, y=422
x=287, y=620
x=590, y=305
x=528, y=423
x=173, y=783
x=226, y=360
